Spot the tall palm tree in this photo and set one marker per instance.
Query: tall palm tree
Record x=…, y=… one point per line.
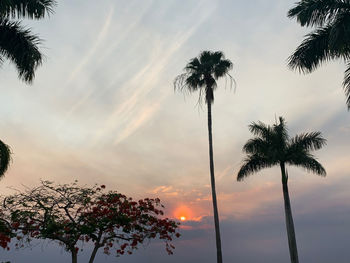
x=201, y=74
x=18, y=44
x=329, y=40
x=272, y=146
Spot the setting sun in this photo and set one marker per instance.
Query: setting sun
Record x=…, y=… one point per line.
x=183, y=213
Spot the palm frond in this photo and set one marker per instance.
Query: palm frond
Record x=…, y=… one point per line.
x=222, y=67
x=217, y=56
x=313, y=51
x=308, y=162
x=306, y=142
x=179, y=81
x=260, y=129
x=193, y=66
x=256, y=146
x=186, y=84
x=206, y=58
x=318, y=12
x=32, y=9
x=339, y=38
x=253, y=163
x=5, y=158
x=194, y=81
x=346, y=84
x=21, y=47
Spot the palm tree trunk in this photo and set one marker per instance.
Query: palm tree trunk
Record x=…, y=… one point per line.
x=293, y=251
x=213, y=191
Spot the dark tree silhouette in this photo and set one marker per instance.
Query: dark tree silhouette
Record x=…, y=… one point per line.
x=201, y=74
x=329, y=40
x=18, y=44
x=272, y=146
x=72, y=215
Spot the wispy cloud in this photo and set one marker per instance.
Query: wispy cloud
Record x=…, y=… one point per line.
x=106, y=43
x=135, y=109
x=95, y=47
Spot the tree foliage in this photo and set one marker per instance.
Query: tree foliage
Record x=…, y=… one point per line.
x=18, y=44
x=330, y=38
x=73, y=215
x=273, y=146
x=202, y=72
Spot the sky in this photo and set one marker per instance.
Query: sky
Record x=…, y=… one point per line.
x=102, y=109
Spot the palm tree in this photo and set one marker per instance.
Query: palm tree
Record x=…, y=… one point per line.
x=18, y=44
x=273, y=146
x=201, y=74
x=329, y=40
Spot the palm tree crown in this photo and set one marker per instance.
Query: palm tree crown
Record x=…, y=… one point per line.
x=18, y=44
x=273, y=146
x=329, y=40
x=202, y=73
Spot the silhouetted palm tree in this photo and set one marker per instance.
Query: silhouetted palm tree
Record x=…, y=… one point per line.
x=329, y=40
x=273, y=146
x=18, y=44
x=201, y=74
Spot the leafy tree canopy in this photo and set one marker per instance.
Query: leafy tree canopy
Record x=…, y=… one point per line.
x=74, y=215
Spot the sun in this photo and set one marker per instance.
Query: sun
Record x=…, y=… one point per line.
x=183, y=213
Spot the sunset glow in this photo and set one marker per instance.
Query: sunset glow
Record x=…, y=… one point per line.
x=183, y=213
x=102, y=109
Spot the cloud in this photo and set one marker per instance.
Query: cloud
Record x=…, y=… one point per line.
x=95, y=47
x=133, y=112
x=121, y=126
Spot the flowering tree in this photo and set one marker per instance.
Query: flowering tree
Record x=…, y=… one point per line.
x=73, y=215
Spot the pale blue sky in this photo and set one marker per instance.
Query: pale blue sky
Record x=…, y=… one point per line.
x=102, y=110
